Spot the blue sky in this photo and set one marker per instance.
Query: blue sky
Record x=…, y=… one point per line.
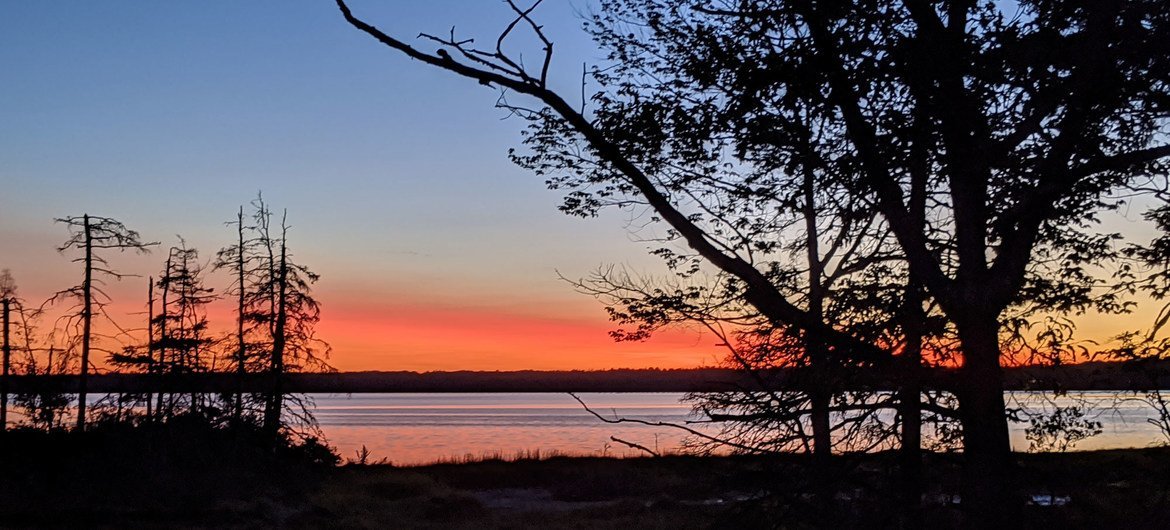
x=169, y=115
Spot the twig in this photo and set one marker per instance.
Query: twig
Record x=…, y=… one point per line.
x=694, y=432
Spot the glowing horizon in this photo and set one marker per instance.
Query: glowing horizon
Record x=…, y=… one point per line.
x=435, y=251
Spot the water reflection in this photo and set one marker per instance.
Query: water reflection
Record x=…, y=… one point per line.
x=422, y=428
x=412, y=429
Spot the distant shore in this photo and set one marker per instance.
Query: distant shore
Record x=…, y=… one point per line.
x=1086, y=376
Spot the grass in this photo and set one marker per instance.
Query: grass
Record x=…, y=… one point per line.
x=1126, y=489
x=186, y=477
x=498, y=456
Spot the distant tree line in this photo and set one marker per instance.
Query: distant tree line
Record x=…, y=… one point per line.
x=273, y=333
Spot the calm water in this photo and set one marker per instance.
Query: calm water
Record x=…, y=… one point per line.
x=423, y=428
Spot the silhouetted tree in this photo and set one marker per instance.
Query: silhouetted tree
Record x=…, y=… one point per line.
x=829, y=261
x=1017, y=122
x=152, y=364
x=247, y=262
x=1148, y=272
x=44, y=406
x=139, y=358
x=90, y=235
x=182, y=339
x=7, y=301
x=276, y=317
x=294, y=315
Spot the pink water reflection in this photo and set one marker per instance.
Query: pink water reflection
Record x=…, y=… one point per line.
x=423, y=428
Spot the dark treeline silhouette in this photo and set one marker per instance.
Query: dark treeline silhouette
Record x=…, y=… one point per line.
x=172, y=446
x=273, y=335
x=1142, y=377
x=858, y=186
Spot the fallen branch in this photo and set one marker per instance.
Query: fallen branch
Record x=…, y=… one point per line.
x=633, y=445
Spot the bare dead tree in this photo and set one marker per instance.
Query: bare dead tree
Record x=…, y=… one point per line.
x=7, y=301
x=275, y=322
x=239, y=259
x=182, y=320
x=91, y=235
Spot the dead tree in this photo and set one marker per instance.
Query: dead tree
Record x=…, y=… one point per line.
x=294, y=345
x=91, y=235
x=182, y=320
x=7, y=300
x=245, y=260
x=276, y=315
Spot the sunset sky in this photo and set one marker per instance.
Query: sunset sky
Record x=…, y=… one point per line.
x=435, y=251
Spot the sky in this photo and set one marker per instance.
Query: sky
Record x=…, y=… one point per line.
x=435, y=251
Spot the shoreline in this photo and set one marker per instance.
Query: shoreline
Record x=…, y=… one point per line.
x=1116, y=488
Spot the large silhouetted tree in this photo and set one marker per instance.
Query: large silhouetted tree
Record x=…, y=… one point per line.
x=90, y=235
x=830, y=259
x=988, y=136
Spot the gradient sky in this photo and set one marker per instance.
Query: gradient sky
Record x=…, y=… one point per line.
x=435, y=251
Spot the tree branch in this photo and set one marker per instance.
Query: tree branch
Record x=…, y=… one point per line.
x=761, y=293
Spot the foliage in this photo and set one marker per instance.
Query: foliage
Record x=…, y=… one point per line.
x=987, y=137
x=1060, y=430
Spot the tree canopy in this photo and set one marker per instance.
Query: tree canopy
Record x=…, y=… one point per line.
x=987, y=136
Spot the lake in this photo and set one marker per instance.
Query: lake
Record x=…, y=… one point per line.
x=422, y=428
x=412, y=429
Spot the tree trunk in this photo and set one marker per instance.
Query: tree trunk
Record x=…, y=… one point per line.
x=150, y=366
x=162, y=341
x=824, y=478
x=815, y=348
x=910, y=453
x=7, y=362
x=821, y=425
x=276, y=400
x=988, y=491
x=910, y=406
x=238, y=411
x=87, y=321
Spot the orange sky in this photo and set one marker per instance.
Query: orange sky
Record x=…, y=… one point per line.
x=435, y=251
x=413, y=337
x=415, y=323
x=412, y=328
